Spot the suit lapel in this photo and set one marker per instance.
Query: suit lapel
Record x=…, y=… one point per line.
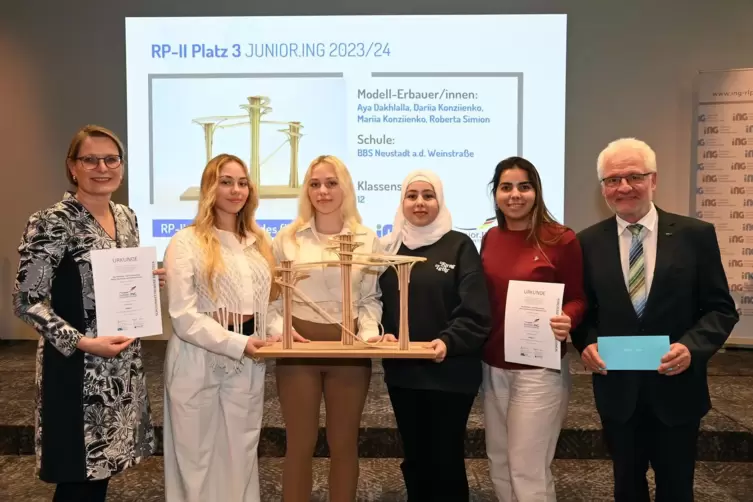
x=665, y=243
x=613, y=263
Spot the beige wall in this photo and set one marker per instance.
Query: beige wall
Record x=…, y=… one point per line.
x=630, y=73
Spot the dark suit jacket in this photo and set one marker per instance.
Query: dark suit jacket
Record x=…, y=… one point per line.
x=689, y=301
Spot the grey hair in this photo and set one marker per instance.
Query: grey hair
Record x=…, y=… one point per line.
x=622, y=144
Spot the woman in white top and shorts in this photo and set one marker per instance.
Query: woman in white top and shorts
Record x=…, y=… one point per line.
x=219, y=282
x=326, y=208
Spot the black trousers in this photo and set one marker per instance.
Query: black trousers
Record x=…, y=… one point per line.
x=432, y=429
x=87, y=491
x=644, y=440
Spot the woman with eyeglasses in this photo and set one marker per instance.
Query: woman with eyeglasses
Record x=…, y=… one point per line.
x=93, y=416
x=524, y=406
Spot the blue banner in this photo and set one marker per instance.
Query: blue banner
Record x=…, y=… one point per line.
x=168, y=228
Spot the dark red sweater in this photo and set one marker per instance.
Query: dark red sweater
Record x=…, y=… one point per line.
x=509, y=255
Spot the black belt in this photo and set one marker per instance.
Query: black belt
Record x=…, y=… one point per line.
x=247, y=328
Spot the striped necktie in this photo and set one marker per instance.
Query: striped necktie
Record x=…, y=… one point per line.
x=637, y=272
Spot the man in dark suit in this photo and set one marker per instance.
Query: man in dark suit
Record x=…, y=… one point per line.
x=650, y=272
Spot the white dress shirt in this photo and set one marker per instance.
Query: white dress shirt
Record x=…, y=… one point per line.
x=322, y=284
x=649, y=245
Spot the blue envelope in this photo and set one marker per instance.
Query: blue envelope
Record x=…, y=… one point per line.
x=632, y=352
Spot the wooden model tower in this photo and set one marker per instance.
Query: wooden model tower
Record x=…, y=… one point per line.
x=344, y=246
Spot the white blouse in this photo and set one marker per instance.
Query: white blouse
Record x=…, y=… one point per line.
x=322, y=284
x=242, y=288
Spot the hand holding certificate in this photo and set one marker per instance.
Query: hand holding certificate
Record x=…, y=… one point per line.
x=126, y=292
x=529, y=338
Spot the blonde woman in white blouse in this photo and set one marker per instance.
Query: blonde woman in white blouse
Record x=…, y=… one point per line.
x=327, y=207
x=219, y=285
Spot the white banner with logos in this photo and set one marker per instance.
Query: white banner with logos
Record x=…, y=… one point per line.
x=723, y=180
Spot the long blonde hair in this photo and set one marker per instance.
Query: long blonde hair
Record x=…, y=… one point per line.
x=349, y=209
x=204, y=223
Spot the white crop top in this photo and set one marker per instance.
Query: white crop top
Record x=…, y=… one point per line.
x=242, y=288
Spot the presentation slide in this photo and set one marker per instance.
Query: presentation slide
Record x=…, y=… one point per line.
x=386, y=94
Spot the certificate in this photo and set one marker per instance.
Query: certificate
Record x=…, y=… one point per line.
x=528, y=336
x=126, y=292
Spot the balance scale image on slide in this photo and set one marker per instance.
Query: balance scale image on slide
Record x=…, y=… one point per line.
x=257, y=107
x=344, y=247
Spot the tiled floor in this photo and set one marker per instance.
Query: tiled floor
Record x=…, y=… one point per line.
x=727, y=431
x=581, y=471
x=380, y=480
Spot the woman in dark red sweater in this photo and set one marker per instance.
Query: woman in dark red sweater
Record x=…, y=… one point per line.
x=525, y=406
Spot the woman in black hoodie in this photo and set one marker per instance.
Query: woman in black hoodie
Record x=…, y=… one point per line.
x=449, y=309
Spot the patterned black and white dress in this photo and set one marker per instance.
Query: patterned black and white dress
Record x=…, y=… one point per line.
x=93, y=416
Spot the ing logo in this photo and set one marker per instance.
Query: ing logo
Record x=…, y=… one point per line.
x=382, y=230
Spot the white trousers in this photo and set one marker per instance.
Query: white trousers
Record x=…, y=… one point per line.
x=523, y=413
x=212, y=427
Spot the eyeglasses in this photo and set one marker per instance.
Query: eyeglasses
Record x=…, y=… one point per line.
x=632, y=179
x=92, y=161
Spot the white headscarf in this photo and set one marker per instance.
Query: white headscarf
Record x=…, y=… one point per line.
x=403, y=232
